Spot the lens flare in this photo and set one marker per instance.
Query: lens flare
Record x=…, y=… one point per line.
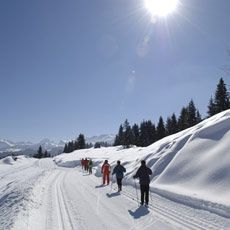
x=161, y=8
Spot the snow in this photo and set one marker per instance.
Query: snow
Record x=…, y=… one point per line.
x=190, y=186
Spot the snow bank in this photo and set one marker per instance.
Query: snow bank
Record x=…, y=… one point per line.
x=192, y=166
x=11, y=160
x=7, y=161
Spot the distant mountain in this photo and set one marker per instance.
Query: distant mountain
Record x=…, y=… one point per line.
x=28, y=148
x=5, y=144
x=8, y=147
x=109, y=138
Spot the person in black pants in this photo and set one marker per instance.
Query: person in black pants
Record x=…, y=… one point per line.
x=143, y=174
x=119, y=170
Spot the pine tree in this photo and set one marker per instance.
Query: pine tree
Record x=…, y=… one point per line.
x=174, y=124
x=70, y=147
x=198, y=117
x=88, y=145
x=192, y=112
x=211, y=107
x=136, y=135
x=221, y=97
x=81, y=141
x=65, y=148
x=168, y=126
x=40, y=153
x=97, y=145
x=183, y=119
x=46, y=154
x=75, y=145
x=151, y=132
x=119, y=137
x=161, y=132
x=128, y=135
x=143, y=134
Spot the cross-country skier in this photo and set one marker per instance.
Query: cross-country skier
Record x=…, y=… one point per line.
x=82, y=163
x=90, y=166
x=86, y=162
x=143, y=174
x=119, y=171
x=105, y=170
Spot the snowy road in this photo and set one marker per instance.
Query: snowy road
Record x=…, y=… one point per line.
x=67, y=198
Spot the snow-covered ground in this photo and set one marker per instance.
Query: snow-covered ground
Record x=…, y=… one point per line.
x=190, y=186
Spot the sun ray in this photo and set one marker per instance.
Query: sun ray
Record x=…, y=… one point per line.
x=161, y=8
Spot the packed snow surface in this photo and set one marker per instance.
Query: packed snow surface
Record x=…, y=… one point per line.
x=190, y=186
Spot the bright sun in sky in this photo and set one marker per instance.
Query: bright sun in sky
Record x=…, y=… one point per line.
x=161, y=7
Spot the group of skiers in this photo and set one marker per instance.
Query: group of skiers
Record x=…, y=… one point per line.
x=143, y=173
x=87, y=165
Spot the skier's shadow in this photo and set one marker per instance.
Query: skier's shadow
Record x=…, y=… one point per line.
x=100, y=186
x=139, y=212
x=110, y=195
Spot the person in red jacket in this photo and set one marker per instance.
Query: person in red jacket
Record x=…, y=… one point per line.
x=86, y=163
x=105, y=170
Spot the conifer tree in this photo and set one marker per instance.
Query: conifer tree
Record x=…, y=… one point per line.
x=81, y=141
x=192, y=112
x=174, y=124
x=75, y=145
x=151, y=132
x=97, y=145
x=136, y=135
x=144, y=134
x=168, y=126
x=211, y=107
x=198, y=117
x=46, y=154
x=161, y=132
x=221, y=97
x=40, y=153
x=183, y=119
x=119, y=137
x=128, y=135
x=65, y=148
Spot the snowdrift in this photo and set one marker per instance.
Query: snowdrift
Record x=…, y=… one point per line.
x=191, y=167
x=7, y=161
x=14, y=160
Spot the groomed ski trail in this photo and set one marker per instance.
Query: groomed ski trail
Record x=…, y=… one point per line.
x=67, y=198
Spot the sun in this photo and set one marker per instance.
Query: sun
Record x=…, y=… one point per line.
x=161, y=8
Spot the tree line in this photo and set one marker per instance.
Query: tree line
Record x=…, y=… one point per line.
x=147, y=132
x=79, y=143
x=40, y=154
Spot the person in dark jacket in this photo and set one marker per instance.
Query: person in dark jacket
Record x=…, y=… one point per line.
x=119, y=170
x=143, y=174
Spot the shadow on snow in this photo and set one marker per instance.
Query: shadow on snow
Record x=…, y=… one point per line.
x=139, y=212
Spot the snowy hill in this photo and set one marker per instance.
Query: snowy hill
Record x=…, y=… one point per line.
x=189, y=188
x=191, y=166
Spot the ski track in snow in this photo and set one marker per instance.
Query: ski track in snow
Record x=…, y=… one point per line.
x=67, y=198
x=15, y=189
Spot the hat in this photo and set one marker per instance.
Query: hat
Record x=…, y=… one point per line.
x=143, y=162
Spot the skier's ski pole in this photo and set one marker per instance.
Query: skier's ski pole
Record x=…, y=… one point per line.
x=111, y=184
x=136, y=191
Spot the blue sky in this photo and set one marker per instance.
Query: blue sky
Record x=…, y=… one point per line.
x=81, y=66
